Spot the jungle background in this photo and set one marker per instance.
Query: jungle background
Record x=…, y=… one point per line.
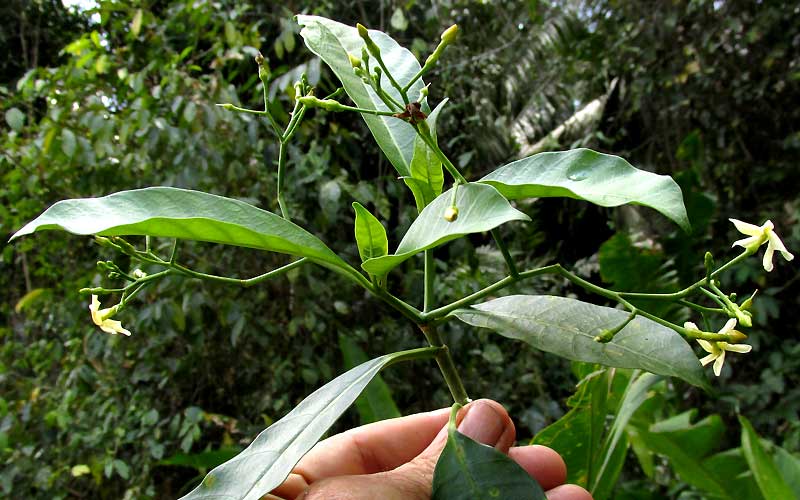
x=118, y=95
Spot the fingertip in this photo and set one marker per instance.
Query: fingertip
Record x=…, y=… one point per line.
x=541, y=462
x=568, y=492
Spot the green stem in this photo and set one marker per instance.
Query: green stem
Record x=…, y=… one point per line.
x=281, y=175
x=426, y=137
x=242, y=282
x=388, y=74
x=418, y=353
x=699, y=308
x=446, y=365
x=429, y=280
x=512, y=267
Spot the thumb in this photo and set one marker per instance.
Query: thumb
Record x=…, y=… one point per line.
x=484, y=421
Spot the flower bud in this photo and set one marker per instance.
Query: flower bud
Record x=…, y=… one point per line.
x=451, y=214
x=259, y=58
x=735, y=337
x=364, y=34
x=748, y=303
x=138, y=274
x=449, y=35
x=226, y=105
x=355, y=61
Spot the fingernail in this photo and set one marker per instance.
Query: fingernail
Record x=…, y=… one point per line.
x=482, y=423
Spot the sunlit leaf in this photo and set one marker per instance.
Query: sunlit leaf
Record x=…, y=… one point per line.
x=583, y=174
x=332, y=41
x=481, y=208
x=567, y=327
x=269, y=459
x=180, y=213
x=370, y=234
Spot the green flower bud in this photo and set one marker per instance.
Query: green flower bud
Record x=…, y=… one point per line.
x=449, y=35
x=355, y=61
x=259, y=59
x=364, y=34
x=226, y=105
x=748, y=302
x=451, y=214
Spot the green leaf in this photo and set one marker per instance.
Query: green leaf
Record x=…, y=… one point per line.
x=376, y=402
x=468, y=470
x=789, y=467
x=481, y=208
x=370, y=234
x=769, y=479
x=427, y=177
x=180, y=213
x=15, y=119
x=613, y=454
x=578, y=435
x=332, y=41
x=686, y=463
x=567, y=327
x=269, y=459
x=68, y=142
x=583, y=174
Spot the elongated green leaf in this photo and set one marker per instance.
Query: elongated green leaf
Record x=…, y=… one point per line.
x=180, y=213
x=789, y=467
x=370, y=234
x=376, y=402
x=468, y=470
x=613, y=453
x=481, y=208
x=730, y=468
x=583, y=174
x=427, y=177
x=567, y=327
x=332, y=41
x=269, y=459
x=769, y=479
x=685, y=462
x=578, y=434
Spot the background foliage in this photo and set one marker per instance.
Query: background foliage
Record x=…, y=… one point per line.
x=123, y=96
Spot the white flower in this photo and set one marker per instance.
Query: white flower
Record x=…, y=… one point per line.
x=101, y=318
x=757, y=236
x=717, y=350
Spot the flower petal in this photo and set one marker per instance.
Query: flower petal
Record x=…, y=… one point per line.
x=767, y=261
x=708, y=359
x=777, y=244
x=707, y=346
x=718, y=363
x=730, y=325
x=740, y=348
x=746, y=228
x=690, y=326
x=746, y=242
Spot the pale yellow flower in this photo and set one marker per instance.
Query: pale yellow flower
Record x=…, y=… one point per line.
x=757, y=235
x=101, y=318
x=717, y=350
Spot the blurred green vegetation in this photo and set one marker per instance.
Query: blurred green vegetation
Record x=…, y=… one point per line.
x=122, y=96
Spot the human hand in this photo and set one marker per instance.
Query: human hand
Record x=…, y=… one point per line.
x=394, y=459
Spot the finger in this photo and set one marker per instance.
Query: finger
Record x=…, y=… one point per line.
x=372, y=448
x=541, y=462
x=568, y=492
x=484, y=421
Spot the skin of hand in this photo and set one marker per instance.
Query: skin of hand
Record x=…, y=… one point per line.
x=394, y=459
